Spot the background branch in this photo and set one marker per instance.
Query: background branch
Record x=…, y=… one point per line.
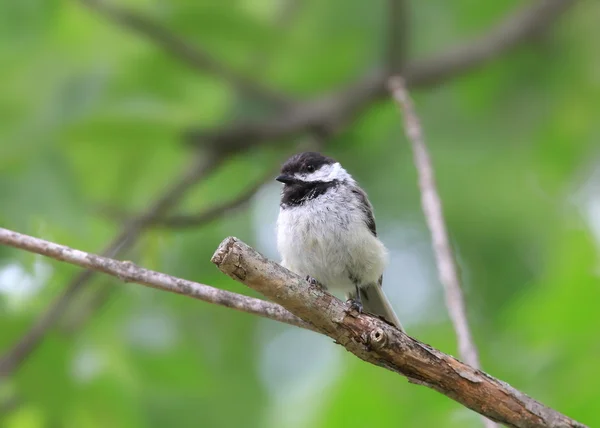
x=205, y=216
x=432, y=208
x=517, y=28
x=127, y=237
x=193, y=56
x=333, y=110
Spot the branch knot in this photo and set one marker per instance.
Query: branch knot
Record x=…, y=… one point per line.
x=378, y=338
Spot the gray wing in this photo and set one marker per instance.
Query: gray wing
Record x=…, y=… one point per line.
x=366, y=208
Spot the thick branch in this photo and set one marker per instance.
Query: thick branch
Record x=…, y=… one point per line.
x=126, y=238
x=129, y=272
x=334, y=110
x=193, y=56
x=379, y=343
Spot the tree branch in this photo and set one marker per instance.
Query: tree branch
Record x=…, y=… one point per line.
x=177, y=221
x=432, y=208
x=130, y=232
x=375, y=341
x=333, y=110
x=369, y=338
x=193, y=56
x=129, y=272
x=517, y=28
x=74, y=320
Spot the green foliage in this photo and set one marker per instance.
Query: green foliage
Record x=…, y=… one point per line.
x=91, y=115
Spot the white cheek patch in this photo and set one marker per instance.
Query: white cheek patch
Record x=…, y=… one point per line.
x=325, y=173
x=336, y=168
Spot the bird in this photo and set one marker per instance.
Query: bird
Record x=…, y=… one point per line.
x=326, y=233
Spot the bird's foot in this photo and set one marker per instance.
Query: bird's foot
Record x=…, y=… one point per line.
x=312, y=281
x=354, y=305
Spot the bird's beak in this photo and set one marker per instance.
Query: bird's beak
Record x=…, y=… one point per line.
x=287, y=179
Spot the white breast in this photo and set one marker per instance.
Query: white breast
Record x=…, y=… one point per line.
x=327, y=238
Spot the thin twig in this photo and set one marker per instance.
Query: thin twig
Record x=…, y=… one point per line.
x=334, y=110
x=131, y=231
x=129, y=272
x=432, y=208
x=397, y=19
x=193, y=56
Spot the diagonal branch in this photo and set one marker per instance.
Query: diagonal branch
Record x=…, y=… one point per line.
x=432, y=208
x=77, y=318
x=334, y=110
x=177, y=221
x=129, y=234
x=193, y=56
x=517, y=28
x=369, y=338
x=381, y=344
x=128, y=272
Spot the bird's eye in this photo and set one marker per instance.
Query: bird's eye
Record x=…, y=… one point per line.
x=310, y=168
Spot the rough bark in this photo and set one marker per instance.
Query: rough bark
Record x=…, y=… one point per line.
x=379, y=343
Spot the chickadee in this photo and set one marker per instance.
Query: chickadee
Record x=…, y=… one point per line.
x=326, y=232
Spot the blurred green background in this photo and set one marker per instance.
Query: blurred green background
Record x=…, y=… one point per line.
x=91, y=123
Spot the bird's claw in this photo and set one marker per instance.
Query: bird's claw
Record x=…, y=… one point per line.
x=354, y=305
x=312, y=281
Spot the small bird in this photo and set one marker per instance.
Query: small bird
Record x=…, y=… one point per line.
x=326, y=232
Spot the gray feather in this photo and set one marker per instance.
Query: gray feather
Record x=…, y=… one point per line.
x=376, y=302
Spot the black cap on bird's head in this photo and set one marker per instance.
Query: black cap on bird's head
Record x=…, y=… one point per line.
x=300, y=166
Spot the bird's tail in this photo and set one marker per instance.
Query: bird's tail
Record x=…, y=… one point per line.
x=375, y=301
